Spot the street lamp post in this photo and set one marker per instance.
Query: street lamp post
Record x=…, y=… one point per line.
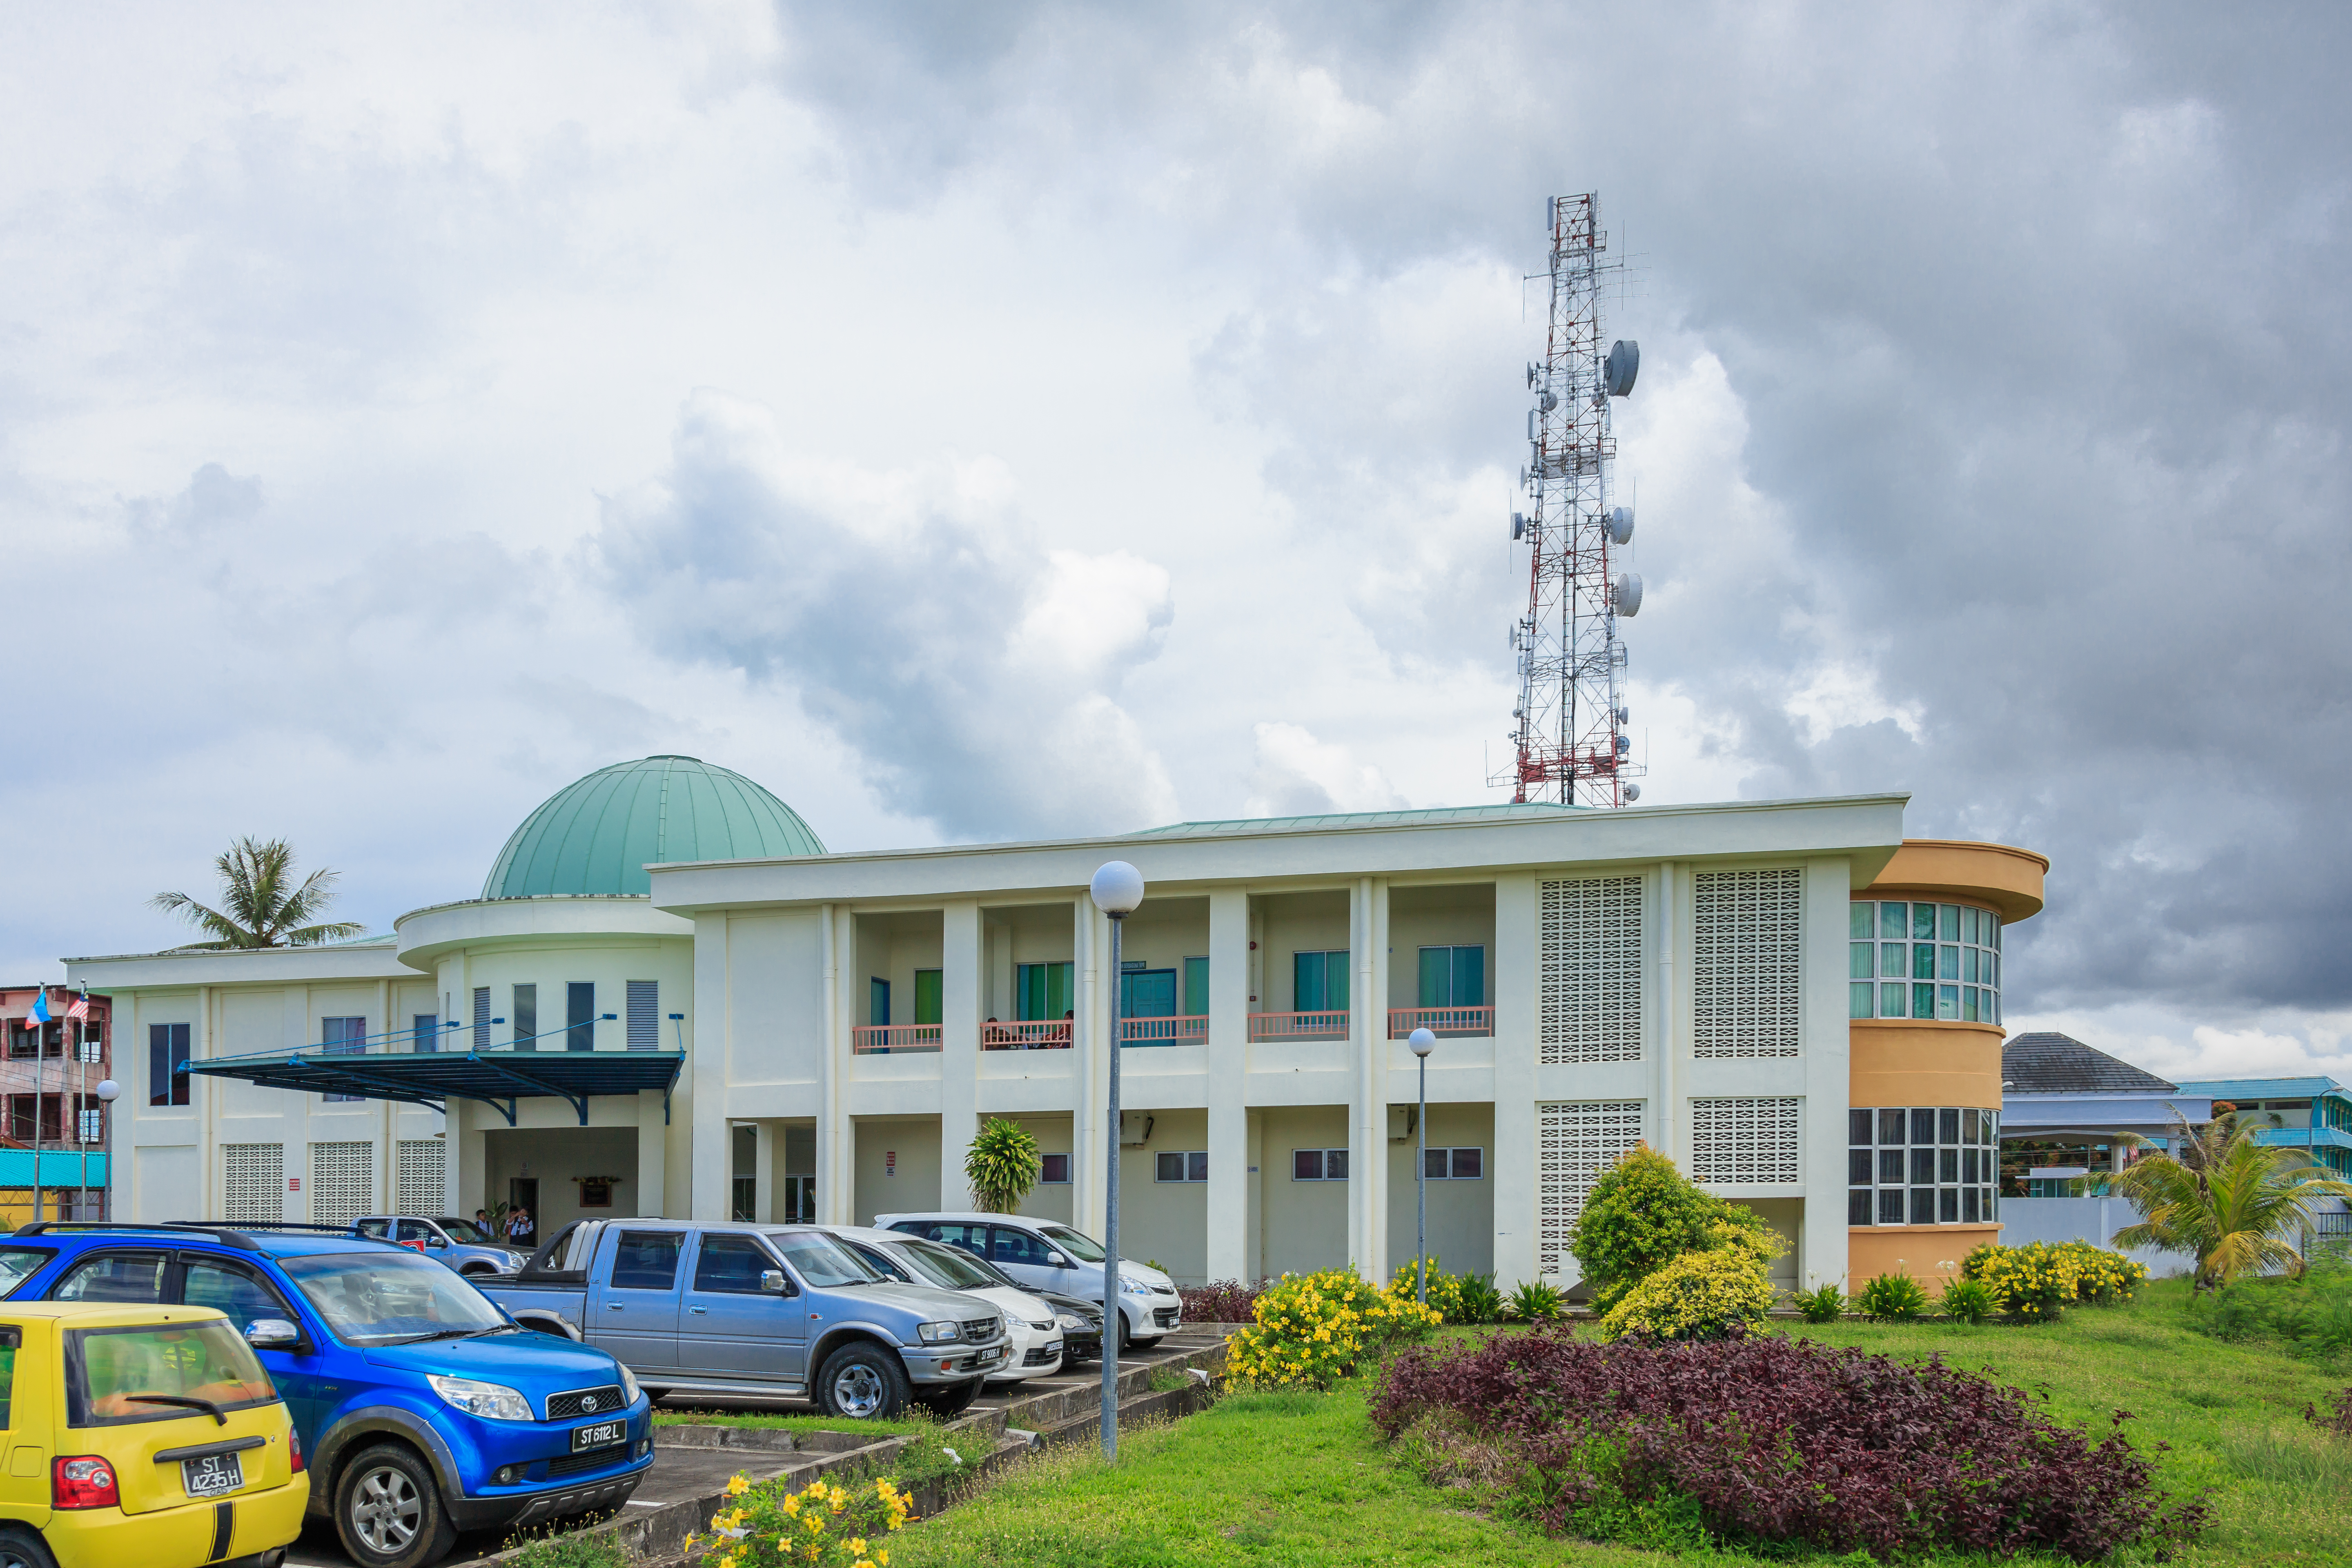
x=108, y=1089
x=1116, y=890
x=1423, y=1042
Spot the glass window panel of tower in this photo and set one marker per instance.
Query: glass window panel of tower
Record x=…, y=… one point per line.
x=1913, y=959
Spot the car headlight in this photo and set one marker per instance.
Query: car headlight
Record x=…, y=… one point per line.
x=1044, y=1327
x=938, y=1333
x=629, y=1385
x=1134, y=1288
x=1065, y=1320
x=490, y=1401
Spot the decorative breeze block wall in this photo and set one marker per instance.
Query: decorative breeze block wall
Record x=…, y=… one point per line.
x=1746, y=1143
x=1747, y=996
x=342, y=1182
x=418, y=1173
x=1590, y=1004
x=253, y=1183
x=1575, y=1142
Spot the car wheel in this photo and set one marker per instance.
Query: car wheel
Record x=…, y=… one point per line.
x=862, y=1382
x=1150, y=1344
x=949, y=1401
x=21, y=1548
x=388, y=1510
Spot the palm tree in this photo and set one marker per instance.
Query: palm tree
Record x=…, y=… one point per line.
x=264, y=908
x=2225, y=1198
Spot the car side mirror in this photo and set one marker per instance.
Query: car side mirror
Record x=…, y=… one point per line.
x=272, y=1334
x=1057, y=1260
x=771, y=1282
x=436, y=1243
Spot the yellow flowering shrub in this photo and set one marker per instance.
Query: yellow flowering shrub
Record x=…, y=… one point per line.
x=1444, y=1290
x=2103, y=1275
x=823, y=1525
x=1697, y=1296
x=1309, y=1330
x=2034, y=1282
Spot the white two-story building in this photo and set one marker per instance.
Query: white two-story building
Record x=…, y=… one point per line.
x=670, y=1000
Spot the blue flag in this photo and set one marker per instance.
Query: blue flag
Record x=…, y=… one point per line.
x=40, y=1013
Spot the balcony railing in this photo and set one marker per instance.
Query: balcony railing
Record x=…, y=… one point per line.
x=881, y=1039
x=1330, y=1023
x=1042, y=1035
x=1445, y=1023
x=1187, y=1030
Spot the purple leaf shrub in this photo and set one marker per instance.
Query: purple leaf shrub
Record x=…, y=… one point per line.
x=1785, y=1440
x=1220, y=1302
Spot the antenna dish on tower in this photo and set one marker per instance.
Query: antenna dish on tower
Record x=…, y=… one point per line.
x=1620, y=524
x=1623, y=364
x=1627, y=598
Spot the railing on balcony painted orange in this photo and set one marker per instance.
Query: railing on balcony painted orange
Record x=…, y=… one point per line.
x=1191, y=1030
x=1329, y=1025
x=1040, y=1035
x=1443, y=1022
x=880, y=1039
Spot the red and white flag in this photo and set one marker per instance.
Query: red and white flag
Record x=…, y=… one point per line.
x=80, y=1009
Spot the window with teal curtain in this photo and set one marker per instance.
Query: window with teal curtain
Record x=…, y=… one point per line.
x=926, y=996
x=1319, y=981
x=1454, y=976
x=1042, y=990
x=1196, y=987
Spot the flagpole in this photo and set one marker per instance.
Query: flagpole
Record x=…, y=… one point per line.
x=40, y=1086
x=81, y=1081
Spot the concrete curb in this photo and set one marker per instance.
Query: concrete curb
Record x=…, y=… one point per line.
x=1064, y=1415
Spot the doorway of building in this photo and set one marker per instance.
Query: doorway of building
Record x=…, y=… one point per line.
x=799, y=1197
x=522, y=1192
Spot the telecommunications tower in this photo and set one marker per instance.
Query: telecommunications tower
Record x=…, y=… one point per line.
x=1569, y=727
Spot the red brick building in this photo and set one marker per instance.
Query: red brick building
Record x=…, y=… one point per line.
x=48, y=1096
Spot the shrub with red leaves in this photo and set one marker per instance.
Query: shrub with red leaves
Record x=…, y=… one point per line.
x=1220, y=1302
x=1785, y=1440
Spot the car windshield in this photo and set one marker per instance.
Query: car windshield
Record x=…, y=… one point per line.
x=946, y=1265
x=161, y=1373
x=821, y=1260
x=466, y=1232
x=17, y=1264
x=385, y=1299
x=1081, y=1248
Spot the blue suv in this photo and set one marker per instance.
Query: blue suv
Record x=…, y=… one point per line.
x=421, y=1407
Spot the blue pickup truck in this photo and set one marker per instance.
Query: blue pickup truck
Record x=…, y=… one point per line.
x=422, y=1409
x=704, y=1307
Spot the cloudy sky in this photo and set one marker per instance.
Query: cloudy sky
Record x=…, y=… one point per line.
x=981, y=422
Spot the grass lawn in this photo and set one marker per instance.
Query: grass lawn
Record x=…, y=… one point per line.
x=1302, y=1480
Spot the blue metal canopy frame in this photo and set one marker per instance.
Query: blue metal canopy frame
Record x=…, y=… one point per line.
x=496, y=1077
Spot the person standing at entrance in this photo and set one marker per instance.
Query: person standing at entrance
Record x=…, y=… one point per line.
x=519, y=1227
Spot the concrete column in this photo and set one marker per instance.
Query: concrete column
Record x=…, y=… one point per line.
x=1666, y=1045
x=653, y=1164
x=1368, y=1118
x=473, y=1119
x=1230, y=1188
x=1253, y=1248
x=1089, y=1144
x=1517, y=1218
x=961, y=985
x=294, y=1021
x=463, y=1199
x=1821, y=1239
x=765, y=1173
x=705, y=1079
x=202, y=1106
x=836, y=1146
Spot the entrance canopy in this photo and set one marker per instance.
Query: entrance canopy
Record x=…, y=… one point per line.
x=496, y=1077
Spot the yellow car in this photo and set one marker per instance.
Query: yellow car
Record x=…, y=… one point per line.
x=141, y=1436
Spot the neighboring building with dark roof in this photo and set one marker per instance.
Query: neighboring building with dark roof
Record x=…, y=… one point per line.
x=2066, y=1107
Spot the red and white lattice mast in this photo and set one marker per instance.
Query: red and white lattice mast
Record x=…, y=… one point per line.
x=1568, y=726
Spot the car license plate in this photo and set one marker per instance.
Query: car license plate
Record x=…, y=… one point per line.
x=212, y=1474
x=603, y=1435
x=986, y=1356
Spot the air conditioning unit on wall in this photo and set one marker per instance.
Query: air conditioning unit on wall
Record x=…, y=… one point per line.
x=1401, y=1122
x=1134, y=1129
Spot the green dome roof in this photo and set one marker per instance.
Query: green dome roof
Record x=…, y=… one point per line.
x=598, y=835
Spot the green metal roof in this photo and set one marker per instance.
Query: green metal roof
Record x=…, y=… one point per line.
x=1358, y=819
x=597, y=835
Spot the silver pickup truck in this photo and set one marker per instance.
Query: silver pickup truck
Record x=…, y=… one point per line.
x=708, y=1307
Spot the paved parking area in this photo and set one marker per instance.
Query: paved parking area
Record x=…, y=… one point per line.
x=680, y=1473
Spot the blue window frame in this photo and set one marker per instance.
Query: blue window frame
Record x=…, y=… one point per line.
x=167, y=1047
x=342, y=1038
x=580, y=1015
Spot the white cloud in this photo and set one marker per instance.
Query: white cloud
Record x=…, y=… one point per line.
x=1299, y=775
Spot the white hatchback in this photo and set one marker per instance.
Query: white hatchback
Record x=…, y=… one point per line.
x=1037, y=1330
x=1046, y=1255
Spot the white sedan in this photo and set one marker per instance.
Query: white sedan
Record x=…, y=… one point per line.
x=1036, y=1349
